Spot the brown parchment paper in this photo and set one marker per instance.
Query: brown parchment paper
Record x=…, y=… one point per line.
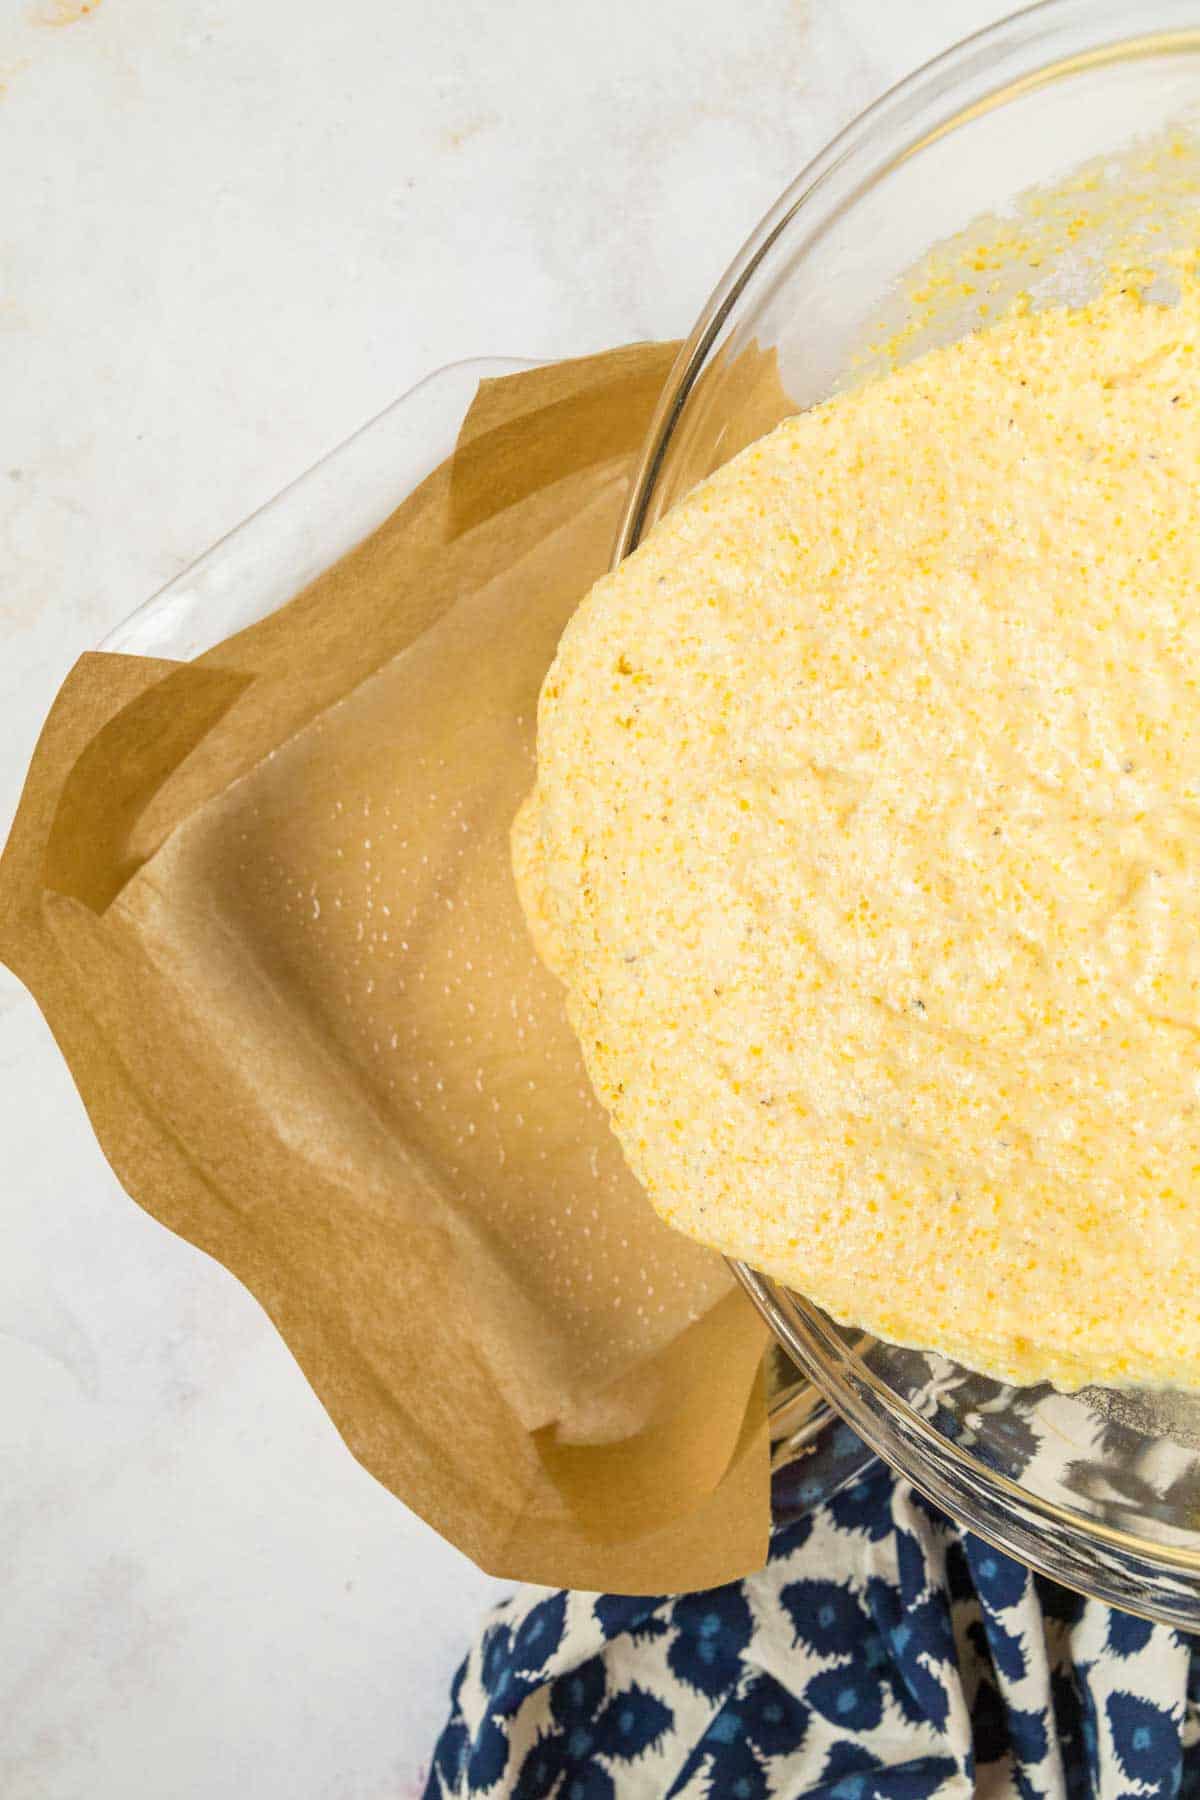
x=264, y=902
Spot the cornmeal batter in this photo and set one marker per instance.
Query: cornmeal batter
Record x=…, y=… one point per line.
x=866, y=841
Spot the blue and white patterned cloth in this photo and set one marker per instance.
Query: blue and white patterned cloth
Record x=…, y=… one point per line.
x=882, y=1654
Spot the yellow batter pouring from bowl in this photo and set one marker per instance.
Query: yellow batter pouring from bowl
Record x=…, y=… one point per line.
x=866, y=841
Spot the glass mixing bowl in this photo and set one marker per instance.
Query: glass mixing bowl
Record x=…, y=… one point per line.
x=1099, y=1489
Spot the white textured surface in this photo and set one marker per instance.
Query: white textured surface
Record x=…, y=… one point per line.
x=232, y=231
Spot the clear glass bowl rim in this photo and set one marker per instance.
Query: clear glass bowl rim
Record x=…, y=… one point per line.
x=1025, y=50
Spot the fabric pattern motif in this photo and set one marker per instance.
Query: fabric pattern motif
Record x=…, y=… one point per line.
x=881, y=1655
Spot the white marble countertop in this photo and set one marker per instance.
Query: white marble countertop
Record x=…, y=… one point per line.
x=232, y=232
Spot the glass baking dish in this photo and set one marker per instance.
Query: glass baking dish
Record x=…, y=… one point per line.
x=1099, y=1489
x=279, y=550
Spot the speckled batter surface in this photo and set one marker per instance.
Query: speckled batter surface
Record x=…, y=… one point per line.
x=866, y=841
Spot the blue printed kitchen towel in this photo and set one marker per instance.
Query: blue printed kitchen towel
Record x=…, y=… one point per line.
x=882, y=1654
